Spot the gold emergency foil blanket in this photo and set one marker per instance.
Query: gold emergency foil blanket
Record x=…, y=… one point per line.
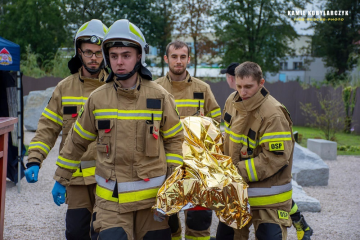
x=208, y=178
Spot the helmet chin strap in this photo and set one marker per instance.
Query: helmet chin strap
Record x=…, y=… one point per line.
x=123, y=77
x=90, y=70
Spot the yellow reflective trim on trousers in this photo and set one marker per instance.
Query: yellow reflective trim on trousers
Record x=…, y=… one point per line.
x=176, y=238
x=138, y=196
x=77, y=173
x=268, y=200
x=196, y=238
x=293, y=209
x=88, y=172
x=105, y=194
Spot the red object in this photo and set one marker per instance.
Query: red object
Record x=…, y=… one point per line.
x=155, y=136
x=6, y=126
x=198, y=208
x=107, y=130
x=106, y=180
x=107, y=149
x=146, y=179
x=4, y=51
x=74, y=115
x=243, y=153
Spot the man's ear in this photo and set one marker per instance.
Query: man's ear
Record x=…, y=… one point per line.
x=262, y=81
x=188, y=62
x=166, y=59
x=139, y=57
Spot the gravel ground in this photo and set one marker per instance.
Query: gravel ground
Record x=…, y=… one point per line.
x=32, y=214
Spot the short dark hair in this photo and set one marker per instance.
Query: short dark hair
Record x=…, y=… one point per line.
x=249, y=69
x=177, y=45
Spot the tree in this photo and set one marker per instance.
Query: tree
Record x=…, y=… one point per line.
x=77, y=12
x=257, y=31
x=194, y=21
x=35, y=22
x=335, y=40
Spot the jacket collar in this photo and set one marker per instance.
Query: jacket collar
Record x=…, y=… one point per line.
x=100, y=78
x=252, y=103
x=129, y=93
x=180, y=85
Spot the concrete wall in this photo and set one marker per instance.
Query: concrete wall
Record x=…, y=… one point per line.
x=33, y=84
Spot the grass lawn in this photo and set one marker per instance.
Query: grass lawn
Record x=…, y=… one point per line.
x=343, y=139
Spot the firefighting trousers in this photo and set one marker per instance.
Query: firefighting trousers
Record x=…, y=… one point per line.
x=135, y=225
x=197, y=225
x=80, y=200
x=269, y=224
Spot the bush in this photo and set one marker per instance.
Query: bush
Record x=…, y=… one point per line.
x=29, y=64
x=329, y=121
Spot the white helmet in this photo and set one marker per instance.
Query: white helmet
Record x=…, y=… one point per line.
x=91, y=32
x=125, y=32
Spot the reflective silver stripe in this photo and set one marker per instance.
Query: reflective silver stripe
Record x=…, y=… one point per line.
x=276, y=136
x=173, y=131
x=40, y=145
x=73, y=100
x=155, y=115
x=55, y=117
x=110, y=185
x=141, y=185
x=68, y=163
x=256, y=192
x=82, y=132
x=243, y=140
x=88, y=164
x=251, y=170
x=168, y=157
x=196, y=104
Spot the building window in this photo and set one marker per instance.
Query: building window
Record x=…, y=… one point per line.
x=298, y=65
x=283, y=66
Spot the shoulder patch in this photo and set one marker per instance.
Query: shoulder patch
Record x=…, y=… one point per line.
x=227, y=117
x=81, y=111
x=283, y=214
x=276, y=146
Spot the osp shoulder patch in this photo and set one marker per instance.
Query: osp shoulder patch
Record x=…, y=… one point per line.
x=283, y=214
x=276, y=146
x=81, y=111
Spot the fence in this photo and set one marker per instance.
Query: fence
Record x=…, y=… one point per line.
x=290, y=94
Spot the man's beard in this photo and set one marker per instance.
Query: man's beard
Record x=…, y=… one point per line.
x=93, y=66
x=177, y=72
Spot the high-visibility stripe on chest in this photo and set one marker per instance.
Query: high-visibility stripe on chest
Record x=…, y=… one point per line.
x=128, y=114
x=189, y=103
x=70, y=100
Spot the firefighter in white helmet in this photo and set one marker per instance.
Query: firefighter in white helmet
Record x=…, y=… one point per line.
x=87, y=68
x=138, y=136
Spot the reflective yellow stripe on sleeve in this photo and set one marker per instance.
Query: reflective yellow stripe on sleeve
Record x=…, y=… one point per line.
x=188, y=237
x=52, y=116
x=174, y=158
x=251, y=171
x=240, y=138
x=40, y=145
x=172, y=131
x=215, y=113
x=275, y=136
x=83, y=133
x=67, y=163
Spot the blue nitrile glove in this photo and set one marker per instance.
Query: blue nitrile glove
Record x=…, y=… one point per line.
x=33, y=170
x=58, y=193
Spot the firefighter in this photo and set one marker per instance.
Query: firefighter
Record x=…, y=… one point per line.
x=87, y=69
x=192, y=97
x=138, y=135
x=303, y=230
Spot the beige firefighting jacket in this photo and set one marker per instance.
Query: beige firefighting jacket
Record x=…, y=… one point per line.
x=259, y=139
x=59, y=115
x=138, y=137
x=192, y=95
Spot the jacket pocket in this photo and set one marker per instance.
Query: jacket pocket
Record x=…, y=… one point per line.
x=152, y=139
x=105, y=130
x=140, y=139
